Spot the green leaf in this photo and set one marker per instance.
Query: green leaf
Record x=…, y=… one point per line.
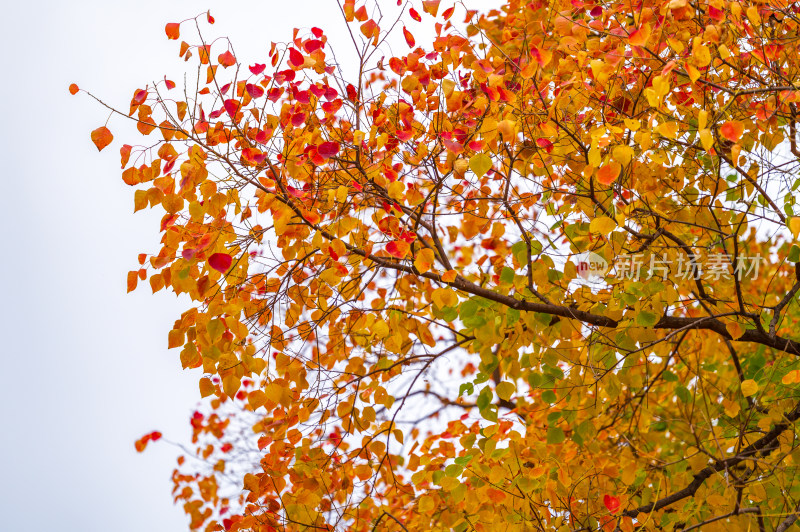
x=683, y=393
x=794, y=254
x=555, y=435
x=453, y=470
x=646, y=319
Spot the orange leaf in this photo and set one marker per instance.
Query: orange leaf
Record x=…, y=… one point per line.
x=449, y=276
x=732, y=130
x=409, y=38
x=102, y=137
x=226, y=59
x=173, y=30
x=609, y=173
x=125, y=154
x=639, y=37
x=133, y=280
x=431, y=6
x=73, y=89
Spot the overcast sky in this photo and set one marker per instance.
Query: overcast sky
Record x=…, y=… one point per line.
x=85, y=369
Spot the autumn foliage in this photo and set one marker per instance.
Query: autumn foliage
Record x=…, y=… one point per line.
x=392, y=324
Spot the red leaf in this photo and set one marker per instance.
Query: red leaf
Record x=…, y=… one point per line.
x=73, y=89
x=296, y=58
x=102, y=137
x=611, y=502
x=220, y=262
x=169, y=83
x=155, y=436
x=173, y=30
x=210, y=18
x=231, y=106
x=257, y=69
x=414, y=14
x=328, y=149
x=226, y=59
x=409, y=38
x=254, y=90
x=397, y=248
x=140, y=96
x=298, y=119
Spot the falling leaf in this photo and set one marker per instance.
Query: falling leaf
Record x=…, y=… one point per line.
x=102, y=137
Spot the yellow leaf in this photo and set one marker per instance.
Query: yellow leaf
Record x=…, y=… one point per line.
x=706, y=139
x=632, y=124
x=231, y=384
x=206, y=387
x=480, y=163
x=694, y=74
x=668, y=129
x=794, y=225
x=603, y=225
x=505, y=390
x=444, y=297
x=732, y=408
x=702, y=119
x=424, y=260
x=622, y=154
x=749, y=387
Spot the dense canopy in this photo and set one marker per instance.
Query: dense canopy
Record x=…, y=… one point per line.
x=535, y=273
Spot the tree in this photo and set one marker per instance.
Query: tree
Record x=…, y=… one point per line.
x=538, y=273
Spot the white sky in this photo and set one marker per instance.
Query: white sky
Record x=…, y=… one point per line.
x=85, y=370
